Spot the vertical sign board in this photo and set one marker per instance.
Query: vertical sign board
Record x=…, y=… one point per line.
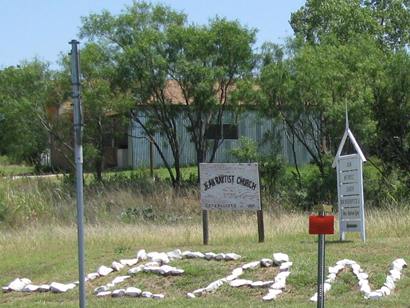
x=350, y=195
x=228, y=186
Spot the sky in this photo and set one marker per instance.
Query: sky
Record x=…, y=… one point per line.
x=43, y=28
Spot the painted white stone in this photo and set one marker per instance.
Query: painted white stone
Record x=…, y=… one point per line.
x=365, y=288
x=285, y=266
x=237, y=271
x=262, y=284
x=157, y=296
x=345, y=262
x=193, y=254
x=160, y=257
x=213, y=286
x=313, y=298
x=279, y=258
x=57, y=287
x=331, y=278
x=232, y=256
x=18, y=284
x=272, y=294
x=135, y=270
x=104, y=270
x=266, y=262
x=390, y=283
x=356, y=268
x=146, y=294
x=282, y=276
x=133, y=292
x=104, y=294
x=100, y=289
x=399, y=264
x=240, y=283
x=30, y=288
x=118, y=293
x=129, y=262
x=199, y=292
x=231, y=277
x=335, y=269
x=152, y=264
x=395, y=274
x=170, y=270
x=43, y=288
x=385, y=291
x=251, y=265
x=6, y=289
x=375, y=295
x=220, y=256
x=119, y=279
x=92, y=276
x=190, y=295
x=142, y=255
x=209, y=255
x=362, y=276
x=279, y=285
x=175, y=254
x=326, y=287
x=116, y=266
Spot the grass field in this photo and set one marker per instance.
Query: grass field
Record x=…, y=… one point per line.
x=46, y=253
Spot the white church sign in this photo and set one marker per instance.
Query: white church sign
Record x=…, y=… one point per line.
x=349, y=170
x=228, y=186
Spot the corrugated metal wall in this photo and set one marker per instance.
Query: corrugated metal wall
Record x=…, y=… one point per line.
x=249, y=125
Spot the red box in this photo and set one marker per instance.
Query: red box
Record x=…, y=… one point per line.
x=321, y=224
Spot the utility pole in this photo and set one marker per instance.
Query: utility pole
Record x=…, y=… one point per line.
x=78, y=157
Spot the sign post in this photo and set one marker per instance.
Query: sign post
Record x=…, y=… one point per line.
x=321, y=225
x=350, y=198
x=230, y=186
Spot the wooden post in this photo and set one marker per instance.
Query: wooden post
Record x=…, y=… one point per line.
x=151, y=159
x=205, y=226
x=261, y=229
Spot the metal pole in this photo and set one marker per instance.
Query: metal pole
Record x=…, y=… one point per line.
x=205, y=232
x=321, y=270
x=78, y=156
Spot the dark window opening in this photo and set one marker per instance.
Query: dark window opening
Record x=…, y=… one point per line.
x=228, y=131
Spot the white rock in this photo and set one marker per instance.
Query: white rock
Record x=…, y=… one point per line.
x=279, y=258
x=251, y=265
x=104, y=294
x=129, y=262
x=278, y=285
x=335, y=269
x=170, y=270
x=390, y=283
x=220, y=256
x=213, y=286
x=135, y=270
x=314, y=298
x=18, y=284
x=30, y=288
x=92, y=276
x=345, y=262
x=362, y=276
x=133, y=292
x=119, y=279
x=374, y=295
x=385, y=291
x=266, y=262
x=199, y=292
x=209, y=256
x=146, y=294
x=192, y=255
x=365, y=288
x=118, y=293
x=272, y=294
x=190, y=295
x=285, y=266
x=356, y=268
x=326, y=287
x=161, y=257
x=157, y=296
x=100, y=289
x=104, y=270
x=116, y=266
x=5, y=289
x=142, y=255
x=240, y=282
x=43, y=288
x=399, y=264
x=331, y=277
x=231, y=277
x=237, y=271
x=262, y=284
x=282, y=276
x=395, y=274
x=232, y=256
x=175, y=254
x=57, y=287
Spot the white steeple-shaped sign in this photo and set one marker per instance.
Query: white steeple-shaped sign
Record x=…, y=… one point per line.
x=349, y=170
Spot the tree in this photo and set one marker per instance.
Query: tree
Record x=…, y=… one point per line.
x=23, y=96
x=137, y=40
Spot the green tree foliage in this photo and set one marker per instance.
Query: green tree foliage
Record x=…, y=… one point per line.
x=23, y=97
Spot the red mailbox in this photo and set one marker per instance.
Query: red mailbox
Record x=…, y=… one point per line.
x=321, y=224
